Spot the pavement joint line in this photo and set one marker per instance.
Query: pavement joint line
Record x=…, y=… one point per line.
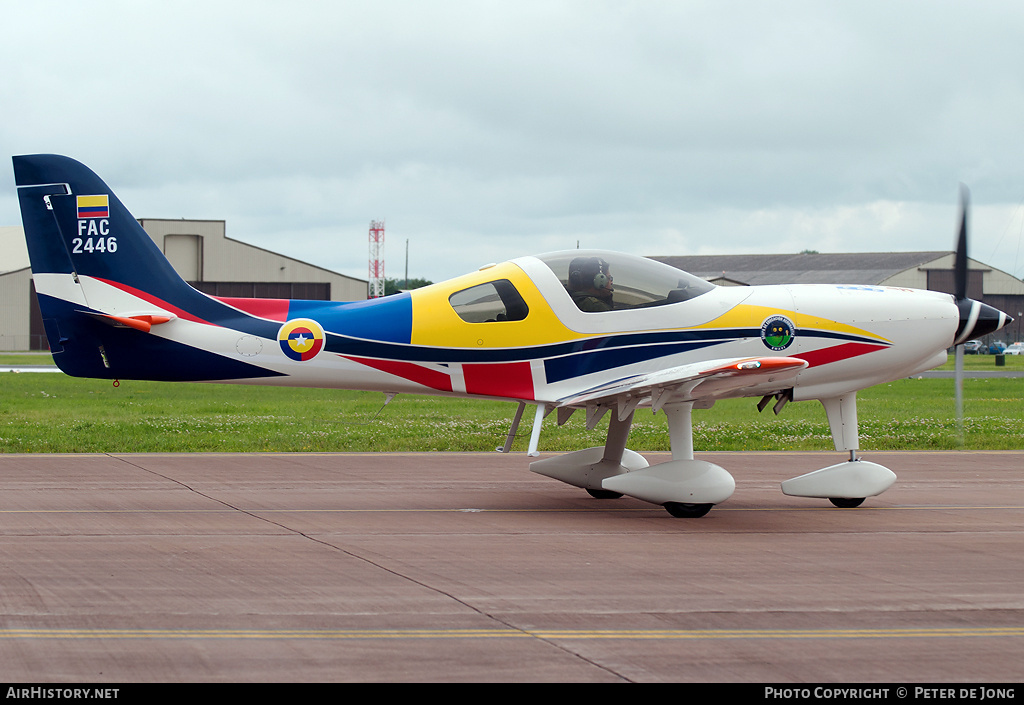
x=474, y=510
x=513, y=633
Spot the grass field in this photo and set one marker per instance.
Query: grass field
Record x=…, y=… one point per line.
x=54, y=413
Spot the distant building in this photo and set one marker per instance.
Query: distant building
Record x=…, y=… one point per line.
x=916, y=270
x=16, y=299
x=199, y=251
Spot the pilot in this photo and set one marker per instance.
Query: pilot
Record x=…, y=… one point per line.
x=590, y=284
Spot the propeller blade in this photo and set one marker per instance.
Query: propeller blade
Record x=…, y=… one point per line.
x=976, y=319
x=960, y=258
x=960, y=286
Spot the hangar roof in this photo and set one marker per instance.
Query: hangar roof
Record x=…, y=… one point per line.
x=806, y=268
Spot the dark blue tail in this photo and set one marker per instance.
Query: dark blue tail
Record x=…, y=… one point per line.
x=100, y=280
x=75, y=224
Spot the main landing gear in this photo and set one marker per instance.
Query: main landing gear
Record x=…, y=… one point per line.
x=684, y=486
x=603, y=494
x=681, y=510
x=689, y=488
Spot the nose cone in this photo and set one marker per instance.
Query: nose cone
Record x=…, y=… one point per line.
x=978, y=319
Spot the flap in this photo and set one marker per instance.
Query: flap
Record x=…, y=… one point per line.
x=690, y=382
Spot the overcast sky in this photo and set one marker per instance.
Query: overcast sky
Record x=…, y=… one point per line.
x=480, y=131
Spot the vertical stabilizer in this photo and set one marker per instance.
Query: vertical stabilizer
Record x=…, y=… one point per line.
x=103, y=284
x=74, y=224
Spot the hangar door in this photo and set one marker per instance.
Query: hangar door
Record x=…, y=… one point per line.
x=185, y=253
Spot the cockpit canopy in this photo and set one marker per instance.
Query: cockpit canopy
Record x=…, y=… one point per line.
x=637, y=282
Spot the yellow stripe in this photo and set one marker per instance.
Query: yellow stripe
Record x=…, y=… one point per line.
x=748, y=316
x=435, y=323
x=91, y=201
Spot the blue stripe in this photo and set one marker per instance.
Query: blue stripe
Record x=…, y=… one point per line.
x=387, y=319
x=646, y=345
x=570, y=366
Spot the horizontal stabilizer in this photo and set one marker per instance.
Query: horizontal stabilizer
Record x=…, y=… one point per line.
x=142, y=322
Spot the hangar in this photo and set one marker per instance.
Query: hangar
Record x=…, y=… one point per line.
x=915, y=270
x=201, y=253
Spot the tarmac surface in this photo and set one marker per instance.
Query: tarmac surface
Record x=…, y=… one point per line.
x=144, y=568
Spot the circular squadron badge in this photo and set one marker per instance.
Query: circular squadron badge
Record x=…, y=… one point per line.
x=777, y=332
x=301, y=339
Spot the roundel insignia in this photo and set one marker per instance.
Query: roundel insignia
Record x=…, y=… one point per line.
x=301, y=339
x=777, y=332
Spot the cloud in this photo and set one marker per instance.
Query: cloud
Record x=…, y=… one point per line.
x=485, y=130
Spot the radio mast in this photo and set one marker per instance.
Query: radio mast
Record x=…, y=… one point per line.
x=376, y=279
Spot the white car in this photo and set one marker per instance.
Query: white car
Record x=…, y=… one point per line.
x=1015, y=349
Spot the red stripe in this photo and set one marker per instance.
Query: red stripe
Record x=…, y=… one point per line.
x=836, y=353
x=180, y=313
x=513, y=380
x=271, y=309
x=411, y=371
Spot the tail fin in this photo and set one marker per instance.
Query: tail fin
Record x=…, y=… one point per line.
x=102, y=283
x=75, y=224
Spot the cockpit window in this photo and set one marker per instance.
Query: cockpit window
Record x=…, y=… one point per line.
x=605, y=281
x=491, y=302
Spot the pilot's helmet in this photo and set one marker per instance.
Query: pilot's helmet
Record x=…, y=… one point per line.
x=588, y=273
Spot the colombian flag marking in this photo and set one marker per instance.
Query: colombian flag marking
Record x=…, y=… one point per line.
x=93, y=206
x=301, y=339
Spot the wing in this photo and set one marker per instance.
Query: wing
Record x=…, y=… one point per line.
x=696, y=382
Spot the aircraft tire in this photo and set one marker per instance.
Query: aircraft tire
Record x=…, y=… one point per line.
x=846, y=502
x=683, y=510
x=604, y=494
